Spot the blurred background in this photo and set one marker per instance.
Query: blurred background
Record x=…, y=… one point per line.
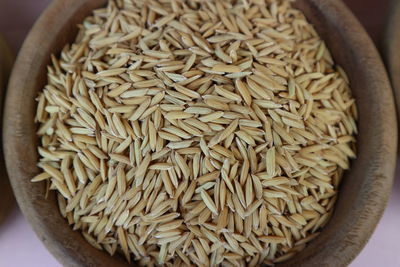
x=20, y=247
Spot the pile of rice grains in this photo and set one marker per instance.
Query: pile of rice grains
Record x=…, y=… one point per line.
x=196, y=132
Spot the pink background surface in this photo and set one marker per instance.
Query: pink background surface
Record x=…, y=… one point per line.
x=20, y=247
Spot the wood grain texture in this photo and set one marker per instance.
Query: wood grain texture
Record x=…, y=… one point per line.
x=6, y=196
x=391, y=49
x=365, y=188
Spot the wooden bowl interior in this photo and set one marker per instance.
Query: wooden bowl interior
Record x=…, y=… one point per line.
x=365, y=188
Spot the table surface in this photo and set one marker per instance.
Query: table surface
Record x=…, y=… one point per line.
x=20, y=247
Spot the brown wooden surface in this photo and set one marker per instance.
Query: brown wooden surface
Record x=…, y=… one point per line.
x=365, y=188
x=6, y=196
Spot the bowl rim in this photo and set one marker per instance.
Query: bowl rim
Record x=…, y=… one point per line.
x=65, y=252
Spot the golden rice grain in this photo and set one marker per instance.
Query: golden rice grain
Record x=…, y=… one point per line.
x=196, y=132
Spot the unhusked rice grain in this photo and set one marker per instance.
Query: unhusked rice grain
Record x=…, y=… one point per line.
x=181, y=132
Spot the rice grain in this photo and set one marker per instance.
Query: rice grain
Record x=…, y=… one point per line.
x=196, y=132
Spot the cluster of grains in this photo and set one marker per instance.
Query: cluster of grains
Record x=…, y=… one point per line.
x=193, y=132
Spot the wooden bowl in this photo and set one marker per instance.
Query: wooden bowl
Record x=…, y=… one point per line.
x=365, y=188
x=6, y=196
x=391, y=49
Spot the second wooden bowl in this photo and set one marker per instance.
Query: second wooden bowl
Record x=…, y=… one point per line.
x=364, y=190
x=391, y=49
x=6, y=196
